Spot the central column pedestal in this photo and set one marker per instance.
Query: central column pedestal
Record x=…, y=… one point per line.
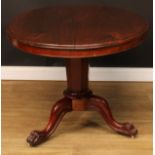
x=77, y=83
x=77, y=79
x=77, y=97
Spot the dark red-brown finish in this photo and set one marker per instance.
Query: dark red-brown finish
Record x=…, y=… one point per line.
x=78, y=97
x=76, y=31
x=81, y=75
x=58, y=111
x=100, y=104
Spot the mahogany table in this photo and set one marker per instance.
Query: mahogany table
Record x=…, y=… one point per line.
x=77, y=33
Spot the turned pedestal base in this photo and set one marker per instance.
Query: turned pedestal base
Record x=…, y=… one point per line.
x=77, y=97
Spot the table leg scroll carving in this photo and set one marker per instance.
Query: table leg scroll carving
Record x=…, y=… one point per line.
x=58, y=111
x=101, y=105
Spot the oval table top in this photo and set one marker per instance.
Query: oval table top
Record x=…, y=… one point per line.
x=76, y=31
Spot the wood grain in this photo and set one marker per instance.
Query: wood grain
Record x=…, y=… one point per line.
x=26, y=104
x=77, y=31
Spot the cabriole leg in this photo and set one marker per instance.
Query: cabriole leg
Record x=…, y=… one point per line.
x=101, y=105
x=58, y=111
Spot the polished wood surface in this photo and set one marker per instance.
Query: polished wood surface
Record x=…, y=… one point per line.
x=25, y=103
x=57, y=113
x=102, y=106
x=78, y=96
x=76, y=31
x=68, y=32
x=77, y=75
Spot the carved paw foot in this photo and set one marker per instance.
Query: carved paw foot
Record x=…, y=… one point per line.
x=36, y=137
x=129, y=130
